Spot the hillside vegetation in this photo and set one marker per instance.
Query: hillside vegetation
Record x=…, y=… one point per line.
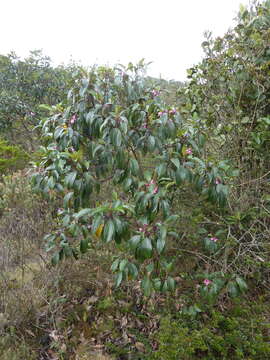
x=135, y=212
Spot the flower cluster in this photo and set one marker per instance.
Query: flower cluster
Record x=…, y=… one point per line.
x=207, y=282
x=189, y=151
x=143, y=228
x=152, y=182
x=73, y=119
x=170, y=112
x=160, y=113
x=155, y=93
x=60, y=211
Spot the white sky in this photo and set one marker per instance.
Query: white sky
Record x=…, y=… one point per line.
x=167, y=32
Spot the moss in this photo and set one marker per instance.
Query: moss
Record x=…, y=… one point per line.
x=232, y=335
x=106, y=303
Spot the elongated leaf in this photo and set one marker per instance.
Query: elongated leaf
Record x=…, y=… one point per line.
x=176, y=162
x=160, y=245
x=55, y=259
x=134, y=241
x=241, y=284
x=115, y=264
x=118, y=278
x=145, y=249
x=70, y=178
x=146, y=286
x=67, y=198
x=123, y=264
x=108, y=231
x=84, y=245
x=83, y=212
x=134, y=166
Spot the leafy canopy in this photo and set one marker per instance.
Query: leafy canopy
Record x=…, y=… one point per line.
x=117, y=139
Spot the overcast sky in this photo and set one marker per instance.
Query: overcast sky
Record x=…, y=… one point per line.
x=167, y=32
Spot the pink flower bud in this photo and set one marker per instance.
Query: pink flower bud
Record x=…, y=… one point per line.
x=143, y=228
x=217, y=181
x=206, y=282
x=214, y=239
x=150, y=183
x=73, y=119
x=189, y=151
x=155, y=190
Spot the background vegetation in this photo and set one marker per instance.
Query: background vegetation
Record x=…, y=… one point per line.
x=134, y=213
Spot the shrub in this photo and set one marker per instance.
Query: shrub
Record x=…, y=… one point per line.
x=117, y=133
x=12, y=157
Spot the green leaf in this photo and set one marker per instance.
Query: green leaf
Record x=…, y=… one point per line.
x=181, y=175
x=116, y=137
x=151, y=143
x=232, y=289
x=58, y=132
x=70, y=178
x=67, y=198
x=241, y=284
x=160, y=245
x=115, y=264
x=146, y=286
x=134, y=166
x=84, y=245
x=134, y=241
x=55, y=259
x=176, y=163
x=157, y=284
x=145, y=249
x=171, y=219
x=161, y=170
x=132, y=270
x=171, y=283
x=123, y=264
x=108, y=231
x=51, y=182
x=98, y=220
x=150, y=267
x=83, y=212
x=165, y=286
x=163, y=232
x=118, y=278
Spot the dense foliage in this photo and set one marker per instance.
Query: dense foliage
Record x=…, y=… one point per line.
x=24, y=86
x=116, y=132
x=228, y=99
